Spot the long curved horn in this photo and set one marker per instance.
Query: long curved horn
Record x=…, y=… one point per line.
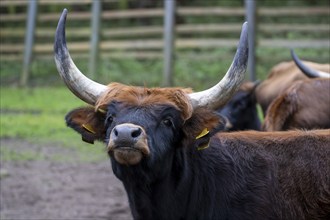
x=84, y=88
x=219, y=94
x=312, y=73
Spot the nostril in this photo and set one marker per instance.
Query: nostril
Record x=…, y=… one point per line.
x=115, y=132
x=137, y=132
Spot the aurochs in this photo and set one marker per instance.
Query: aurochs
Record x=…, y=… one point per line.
x=283, y=75
x=167, y=148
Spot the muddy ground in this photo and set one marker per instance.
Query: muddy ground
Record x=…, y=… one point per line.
x=57, y=190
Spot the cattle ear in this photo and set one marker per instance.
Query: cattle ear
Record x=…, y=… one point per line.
x=250, y=87
x=255, y=85
x=87, y=122
x=252, y=91
x=201, y=126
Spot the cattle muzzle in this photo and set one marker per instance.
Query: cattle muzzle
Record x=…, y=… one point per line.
x=128, y=144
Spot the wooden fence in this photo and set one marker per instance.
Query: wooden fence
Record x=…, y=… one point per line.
x=145, y=41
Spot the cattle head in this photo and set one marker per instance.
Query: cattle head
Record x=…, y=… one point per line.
x=139, y=125
x=241, y=110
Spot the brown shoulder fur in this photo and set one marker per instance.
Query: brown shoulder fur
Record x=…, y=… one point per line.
x=305, y=105
x=281, y=109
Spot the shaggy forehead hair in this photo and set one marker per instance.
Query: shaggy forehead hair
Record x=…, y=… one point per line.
x=141, y=96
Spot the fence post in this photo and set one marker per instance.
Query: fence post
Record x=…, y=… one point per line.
x=169, y=41
x=95, y=36
x=251, y=19
x=29, y=41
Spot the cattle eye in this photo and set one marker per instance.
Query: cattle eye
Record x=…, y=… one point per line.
x=167, y=122
x=109, y=120
x=239, y=105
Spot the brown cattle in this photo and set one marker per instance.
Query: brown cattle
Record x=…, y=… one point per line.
x=167, y=148
x=281, y=77
x=304, y=105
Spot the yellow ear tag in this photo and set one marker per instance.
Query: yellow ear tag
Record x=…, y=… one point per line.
x=101, y=110
x=204, y=147
x=203, y=133
x=88, y=128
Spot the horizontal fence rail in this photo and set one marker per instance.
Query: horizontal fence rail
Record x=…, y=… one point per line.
x=157, y=30
x=158, y=44
x=159, y=12
x=142, y=41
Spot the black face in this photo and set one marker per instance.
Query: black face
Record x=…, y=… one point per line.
x=144, y=140
x=141, y=134
x=240, y=111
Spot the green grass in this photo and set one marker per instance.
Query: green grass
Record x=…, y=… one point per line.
x=37, y=116
x=40, y=99
x=81, y=153
x=11, y=155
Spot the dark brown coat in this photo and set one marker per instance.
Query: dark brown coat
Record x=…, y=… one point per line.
x=172, y=170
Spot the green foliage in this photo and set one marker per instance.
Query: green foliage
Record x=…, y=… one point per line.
x=198, y=69
x=131, y=71
x=270, y=3
x=267, y=58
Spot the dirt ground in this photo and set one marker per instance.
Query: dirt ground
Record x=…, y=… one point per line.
x=49, y=190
